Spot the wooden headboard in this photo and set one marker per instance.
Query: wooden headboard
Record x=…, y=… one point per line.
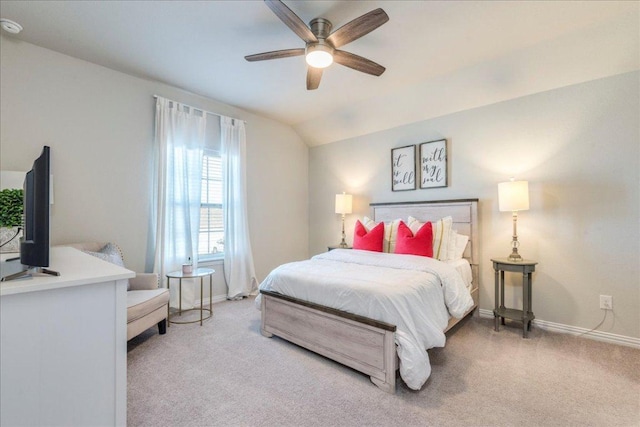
x=464, y=213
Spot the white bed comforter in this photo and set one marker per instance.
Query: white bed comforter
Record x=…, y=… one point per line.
x=417, y=294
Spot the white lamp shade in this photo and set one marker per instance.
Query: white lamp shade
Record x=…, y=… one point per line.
x=343, y=203
x=513, y=196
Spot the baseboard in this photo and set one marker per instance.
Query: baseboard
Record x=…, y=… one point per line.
x=574, y=330
x=216, y=299
x=219, y=298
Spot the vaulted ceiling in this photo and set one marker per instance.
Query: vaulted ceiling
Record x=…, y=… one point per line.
x=440, y=56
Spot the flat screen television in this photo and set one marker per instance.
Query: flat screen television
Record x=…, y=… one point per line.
x=34, y=245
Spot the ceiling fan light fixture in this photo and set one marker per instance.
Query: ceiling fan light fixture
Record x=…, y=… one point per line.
x=322, y=46
x=319, y=56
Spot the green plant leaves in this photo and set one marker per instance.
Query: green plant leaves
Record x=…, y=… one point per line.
x=11, y=207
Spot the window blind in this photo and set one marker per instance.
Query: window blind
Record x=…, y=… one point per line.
x=211, y=233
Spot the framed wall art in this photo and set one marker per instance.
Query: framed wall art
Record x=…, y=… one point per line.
x=403, y=168
x=433, y=164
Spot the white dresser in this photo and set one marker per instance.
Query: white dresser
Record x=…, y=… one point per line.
x=63, y=344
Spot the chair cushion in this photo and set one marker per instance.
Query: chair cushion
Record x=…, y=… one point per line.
x=141, y=303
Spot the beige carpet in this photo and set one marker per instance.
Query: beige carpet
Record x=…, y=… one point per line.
x=226, y=374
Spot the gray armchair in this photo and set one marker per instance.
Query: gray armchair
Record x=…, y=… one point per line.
x=147, y=305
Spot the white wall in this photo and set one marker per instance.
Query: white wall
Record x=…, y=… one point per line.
x=579, y=148
x=99, y=124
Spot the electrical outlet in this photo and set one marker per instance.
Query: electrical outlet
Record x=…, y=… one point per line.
x=606, y=302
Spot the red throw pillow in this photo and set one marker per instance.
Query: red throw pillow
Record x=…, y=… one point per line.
x=368, y=241
x=420, y=244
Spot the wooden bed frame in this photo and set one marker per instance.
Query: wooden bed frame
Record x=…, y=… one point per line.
x=361, y=343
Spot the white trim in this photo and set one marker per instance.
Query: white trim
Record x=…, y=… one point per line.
x=575, y=330
x=216, y=299
x=218, y=265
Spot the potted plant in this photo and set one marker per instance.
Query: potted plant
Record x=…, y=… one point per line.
x=11, y=213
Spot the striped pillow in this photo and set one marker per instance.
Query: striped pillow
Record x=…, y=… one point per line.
x=441, y=234
x=451, y=249
x=390, y=233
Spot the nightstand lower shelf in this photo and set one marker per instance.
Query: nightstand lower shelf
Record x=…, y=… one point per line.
x=514, y=314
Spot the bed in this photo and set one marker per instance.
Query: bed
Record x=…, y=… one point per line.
x=322, y=322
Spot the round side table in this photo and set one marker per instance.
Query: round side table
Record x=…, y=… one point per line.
x=198, y=272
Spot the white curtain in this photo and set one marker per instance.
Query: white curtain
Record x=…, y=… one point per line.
x=238, y=259
x=178, y=148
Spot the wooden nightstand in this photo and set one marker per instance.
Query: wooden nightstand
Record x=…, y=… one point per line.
x=330, y=248
x=526, y=268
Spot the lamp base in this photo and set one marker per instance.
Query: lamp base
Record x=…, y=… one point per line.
x=343, y=244
x=514, y=256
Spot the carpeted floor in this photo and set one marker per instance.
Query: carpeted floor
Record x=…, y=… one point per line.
x=226, y=374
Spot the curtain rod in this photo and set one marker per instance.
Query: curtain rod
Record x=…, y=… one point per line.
x=200, y=109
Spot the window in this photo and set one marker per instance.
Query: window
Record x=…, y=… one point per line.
x=211, y=233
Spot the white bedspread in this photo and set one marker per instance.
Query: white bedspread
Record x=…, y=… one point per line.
x=417, y=294
x=464, y=268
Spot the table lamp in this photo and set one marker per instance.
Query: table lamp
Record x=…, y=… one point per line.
x=343, y=206
x=514, y=196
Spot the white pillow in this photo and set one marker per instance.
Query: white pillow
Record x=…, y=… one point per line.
x=390, y=233
x=110, y=253
x=461, y=245
x=414, y=224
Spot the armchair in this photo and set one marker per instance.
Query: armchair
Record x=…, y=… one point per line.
x=147, y=305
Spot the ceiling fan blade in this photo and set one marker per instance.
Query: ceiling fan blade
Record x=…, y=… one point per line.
x=313, y=77
x=358, y=63
x=358, y=28
x=275, y=54
x=291, y=20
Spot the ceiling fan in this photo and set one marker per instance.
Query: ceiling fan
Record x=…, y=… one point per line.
x=322, y=45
